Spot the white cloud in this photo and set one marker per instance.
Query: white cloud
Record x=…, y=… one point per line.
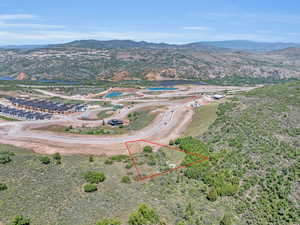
x=29, y=25
x=195, y=28
x=16, y=16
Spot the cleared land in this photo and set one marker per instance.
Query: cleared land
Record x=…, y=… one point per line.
x=202, y=118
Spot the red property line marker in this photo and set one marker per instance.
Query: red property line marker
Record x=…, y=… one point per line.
x=141, y=178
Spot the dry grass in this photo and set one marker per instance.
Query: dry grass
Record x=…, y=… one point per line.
x=202, y=118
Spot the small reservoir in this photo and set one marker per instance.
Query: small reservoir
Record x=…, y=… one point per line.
x=113, y=94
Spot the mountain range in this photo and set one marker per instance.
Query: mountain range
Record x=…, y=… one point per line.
x=234, y=45
x=117, y=60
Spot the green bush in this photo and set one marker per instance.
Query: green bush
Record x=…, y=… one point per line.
x=126, y=179
x=212, y=195
x=45, y=159
x=20, y=220
x=128, y=165
x=91, y=158
x=108, y=162
x=148, y=149
x=144, y=216
x=90, y=188
x=109, y=222
x=56, y=156
x=227, y=220
x=171, y=142
x=94, y=177
x=3, y=187
x=4, y=159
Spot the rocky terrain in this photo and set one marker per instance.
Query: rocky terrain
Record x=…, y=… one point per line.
x=128, y=60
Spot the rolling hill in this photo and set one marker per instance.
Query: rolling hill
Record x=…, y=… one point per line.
x=130, y=60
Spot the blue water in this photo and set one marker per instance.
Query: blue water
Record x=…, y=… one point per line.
x=162, y=89
x=113, y=94
x=5, y=78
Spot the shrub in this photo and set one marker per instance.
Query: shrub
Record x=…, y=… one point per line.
x=128, y=165
x=4, y=159
x=3, y=187
x=94, y=177
x=109, y=222
x=20, y=220
x=90, y=188
x=177, y=141
x=144, y=215
x=148, y=149
x=171, y=142
x=56, y=156
x=108, y=162
x=45, y=160
x=126, y=179
x=227, y=220
x=212, y=195
x=91, y=158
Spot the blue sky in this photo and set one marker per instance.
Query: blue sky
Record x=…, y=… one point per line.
x=176, y=21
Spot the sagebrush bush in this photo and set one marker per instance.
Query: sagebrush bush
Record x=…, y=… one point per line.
x=90, y=188
x=94, y=177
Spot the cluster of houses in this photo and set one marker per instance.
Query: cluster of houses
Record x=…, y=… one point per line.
x=46, y=106
x=22, y=114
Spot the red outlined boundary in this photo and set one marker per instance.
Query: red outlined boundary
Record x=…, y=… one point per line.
x=141, y=178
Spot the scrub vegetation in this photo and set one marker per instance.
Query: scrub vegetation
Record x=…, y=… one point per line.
x=252, y=176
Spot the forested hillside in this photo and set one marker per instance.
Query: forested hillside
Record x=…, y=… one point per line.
x=254, y=150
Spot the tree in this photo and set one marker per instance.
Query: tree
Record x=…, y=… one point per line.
x=4, y=159
x=212, y=195
x=109, y=222
x=3, y=187
x=94, y=177
x=148, y=149
x=45, y=160
x=227, y=219
x=20, y=220
x=144, y=216
x=90, y=187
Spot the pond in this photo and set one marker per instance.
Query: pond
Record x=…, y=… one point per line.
x=113, y=94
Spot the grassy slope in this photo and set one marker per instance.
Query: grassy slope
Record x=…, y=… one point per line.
x=52, y=194
x=203, y=117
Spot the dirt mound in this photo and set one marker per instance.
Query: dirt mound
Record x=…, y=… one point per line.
x=22, y=76
x=123, y=75
x=153, y=76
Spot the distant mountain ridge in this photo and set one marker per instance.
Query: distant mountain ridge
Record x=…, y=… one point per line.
x=231, y=45
x=117, y=60
x=253, y=46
